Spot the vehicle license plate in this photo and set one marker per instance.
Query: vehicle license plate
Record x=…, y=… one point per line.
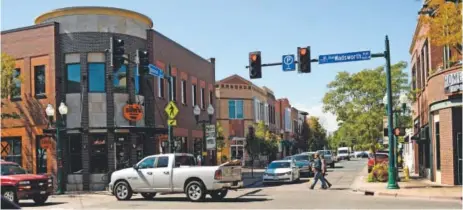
x=42, y=192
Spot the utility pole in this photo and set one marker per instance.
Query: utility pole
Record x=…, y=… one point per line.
x=392, y=180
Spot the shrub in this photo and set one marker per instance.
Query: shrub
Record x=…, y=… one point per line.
x=379, y=173
x=371, y=177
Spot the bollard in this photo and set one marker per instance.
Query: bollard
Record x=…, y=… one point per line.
x=406, y=173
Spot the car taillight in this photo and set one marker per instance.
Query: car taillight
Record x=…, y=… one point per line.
x=218, y=175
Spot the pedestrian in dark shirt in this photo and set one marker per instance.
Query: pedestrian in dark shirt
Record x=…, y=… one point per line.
x=318, y=172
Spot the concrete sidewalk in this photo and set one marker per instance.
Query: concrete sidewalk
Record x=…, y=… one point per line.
x=414, y=188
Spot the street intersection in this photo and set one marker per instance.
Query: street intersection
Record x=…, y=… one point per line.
x=258, y=196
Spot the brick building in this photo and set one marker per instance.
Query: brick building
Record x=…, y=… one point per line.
x=241, y=104
x=437, y=110
x=62, y=59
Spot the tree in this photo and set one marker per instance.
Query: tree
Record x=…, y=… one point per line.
x=317, y=134
x=8, y=81
x=444, y=24
x=252, y=146
x=356, y=100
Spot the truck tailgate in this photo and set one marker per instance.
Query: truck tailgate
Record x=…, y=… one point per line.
x=230, y=172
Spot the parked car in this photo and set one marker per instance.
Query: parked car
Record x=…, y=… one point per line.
x=380, y=158
x=281, y=171
x=327, y=154
x=176, y=173
x=17, y=184
x=304, y=162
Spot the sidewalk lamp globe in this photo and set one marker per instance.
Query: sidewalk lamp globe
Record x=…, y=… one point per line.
x=50, y=111
x=403, y=99
x=385, y=99
x=63, y=109
x=196, y=110
x=210, y=109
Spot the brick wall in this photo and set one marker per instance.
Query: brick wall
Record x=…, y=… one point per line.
x=446, y=145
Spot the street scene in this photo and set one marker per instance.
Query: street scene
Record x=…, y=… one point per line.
x=257, y=196
x=219, y=105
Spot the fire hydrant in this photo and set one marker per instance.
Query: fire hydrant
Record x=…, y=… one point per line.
x=406, y=173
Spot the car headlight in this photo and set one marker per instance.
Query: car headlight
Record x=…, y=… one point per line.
x=288, y=173
x=24, y=182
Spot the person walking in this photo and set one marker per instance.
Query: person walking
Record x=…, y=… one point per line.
x=324, y=170
x=317, y=167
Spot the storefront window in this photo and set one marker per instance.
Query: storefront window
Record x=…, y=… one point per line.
x=41, y=156
x=120, y=80
x=99, y=154
x=11, y=149
x=437, y=127
x=75, y=153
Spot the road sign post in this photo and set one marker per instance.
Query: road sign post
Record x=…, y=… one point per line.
x=288, y=63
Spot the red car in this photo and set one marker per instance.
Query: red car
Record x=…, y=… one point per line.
x=380, y=158
x=17, y=184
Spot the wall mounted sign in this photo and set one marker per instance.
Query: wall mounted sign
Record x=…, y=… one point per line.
x=132, y=112
x=453, y=83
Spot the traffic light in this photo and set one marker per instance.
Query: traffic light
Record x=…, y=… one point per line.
x=117, y=53
x=143, y=61
x=303, y=59
x=255, y=65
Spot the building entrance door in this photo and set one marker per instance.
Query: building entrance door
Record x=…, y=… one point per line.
x=457, y=143
x=122, y=152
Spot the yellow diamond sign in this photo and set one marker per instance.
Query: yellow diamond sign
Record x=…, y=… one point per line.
x=171, y=110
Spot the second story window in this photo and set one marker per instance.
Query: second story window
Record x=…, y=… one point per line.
x=193, y=95
x=16, y=92
x=96, y=77
x=183, y=87
x=210, y=97
x=202, y=99
x=235, y=109
x=120, y=80
x=73, y=78
x=161, y=87
x=39, y=77
x=174, y=89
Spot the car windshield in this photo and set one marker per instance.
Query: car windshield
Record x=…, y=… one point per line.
x=302, y=157
x=324, y=152
x=185, y=160
x=288, y=158
x=12, y=169
x=342, y=151
x=278, y=165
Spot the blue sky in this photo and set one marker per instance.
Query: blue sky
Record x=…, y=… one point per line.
x=229, y=30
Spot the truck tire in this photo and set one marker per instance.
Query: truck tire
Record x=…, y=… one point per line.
x=148, y=196
x=219, y=194
x=195, y=191
x=40, y=199
x=10, y=194
x=123, y=191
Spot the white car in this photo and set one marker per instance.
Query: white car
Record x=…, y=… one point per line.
x=281, y=171
x=175, y=173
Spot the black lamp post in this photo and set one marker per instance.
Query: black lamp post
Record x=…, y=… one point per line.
x=210, y=112
x=59, y=126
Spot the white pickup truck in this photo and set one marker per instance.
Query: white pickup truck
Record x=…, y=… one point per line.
x=175, y=173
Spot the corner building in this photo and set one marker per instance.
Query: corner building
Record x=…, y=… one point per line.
x=437, y=110
x=62, y=59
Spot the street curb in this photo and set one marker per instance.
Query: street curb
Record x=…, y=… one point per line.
x=77, y=193
x=387, y=194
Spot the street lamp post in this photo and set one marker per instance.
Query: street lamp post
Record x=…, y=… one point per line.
x=197, y=112
x=59, y=126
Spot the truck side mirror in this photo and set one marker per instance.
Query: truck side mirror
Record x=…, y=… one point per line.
x=135, y=167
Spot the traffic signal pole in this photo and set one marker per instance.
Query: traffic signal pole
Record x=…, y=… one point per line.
x=392, y=170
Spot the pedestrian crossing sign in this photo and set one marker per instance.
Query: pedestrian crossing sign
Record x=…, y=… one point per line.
x=171, y=110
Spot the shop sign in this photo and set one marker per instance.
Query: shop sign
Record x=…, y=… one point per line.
x=45, y=143
x=132, y=112
x=210, y=136
x=453, y=82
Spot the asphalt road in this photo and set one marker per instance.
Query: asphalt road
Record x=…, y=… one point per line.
x=263, y=197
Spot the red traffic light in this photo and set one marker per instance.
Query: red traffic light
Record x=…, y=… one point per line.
x=302, y=51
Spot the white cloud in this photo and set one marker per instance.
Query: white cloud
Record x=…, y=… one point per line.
x=328, y=120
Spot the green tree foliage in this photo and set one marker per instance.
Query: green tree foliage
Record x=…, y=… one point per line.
x=220, y=139
x=356, y=100
x=8, y=82
x=317, y=134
